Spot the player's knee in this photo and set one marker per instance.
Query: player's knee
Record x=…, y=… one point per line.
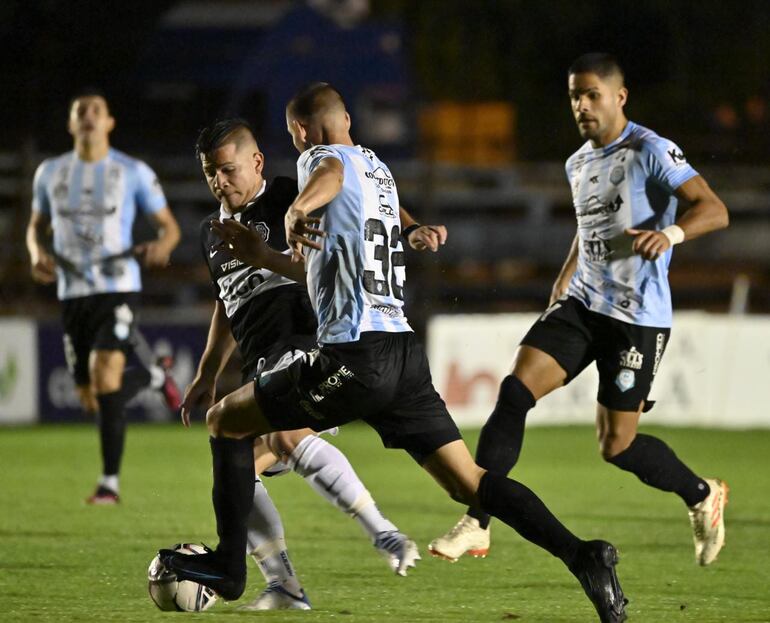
x=214, y=419
x=283, y=443
x=612, y=443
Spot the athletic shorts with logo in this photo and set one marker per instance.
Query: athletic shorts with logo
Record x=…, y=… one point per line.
x=627, y=356
x=97, y=322
x=382, y=379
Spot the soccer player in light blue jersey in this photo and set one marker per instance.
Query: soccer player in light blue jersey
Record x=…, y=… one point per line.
x=88, y=198
x=345, y=225
x=610, y=304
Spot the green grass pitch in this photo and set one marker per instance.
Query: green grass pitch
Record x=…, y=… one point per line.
x=63, y=561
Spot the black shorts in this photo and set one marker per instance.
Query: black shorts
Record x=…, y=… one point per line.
x=97, y=322
x=383, y=379
x=626, y=355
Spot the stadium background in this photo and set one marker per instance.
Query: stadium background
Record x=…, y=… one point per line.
x=467, y=102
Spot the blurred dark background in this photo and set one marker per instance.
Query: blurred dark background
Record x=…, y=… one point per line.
x=465, y=100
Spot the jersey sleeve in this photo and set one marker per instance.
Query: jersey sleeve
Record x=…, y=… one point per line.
x=40, y=200
x=668, y=163
x=311, y=158
x=149, y=194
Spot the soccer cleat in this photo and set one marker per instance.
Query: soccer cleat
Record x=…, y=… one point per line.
x=170, y=390
x=206, y=569
x=398, y=549
x=103, y=497
x=467, y=537
x=276, y=597
x=594, y=566
x=707, y=519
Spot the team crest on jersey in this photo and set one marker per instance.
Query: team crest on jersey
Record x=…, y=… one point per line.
x=632, y=359
x=617, y=175
x=625, y=380
x=262, y=228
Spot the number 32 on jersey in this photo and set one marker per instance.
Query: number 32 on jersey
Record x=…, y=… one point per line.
x=384, y=272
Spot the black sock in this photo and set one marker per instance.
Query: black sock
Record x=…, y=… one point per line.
x=134, y=380
x=232, y=495
x=503, y=434
x=112, y=431
x=655, y=464
x=521, y=509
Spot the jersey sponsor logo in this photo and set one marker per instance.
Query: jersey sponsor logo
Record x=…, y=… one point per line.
x=625, y=380
x=660, y=346
x=240, y=286
x=632, y=359
x=388, y=310
x=617, y=175
x=381, y=177
x=596, y=249
x=594, y=179
x=332, y=383
x=230, y=264
x=384, y=208
x=677, y=157
x=596, y=207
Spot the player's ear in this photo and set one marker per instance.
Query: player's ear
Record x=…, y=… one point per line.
x=259, y=161
x=347, y=121
x=622, y=96
x=110, y=123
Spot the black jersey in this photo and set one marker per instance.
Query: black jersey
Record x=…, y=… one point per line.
x=263, y=307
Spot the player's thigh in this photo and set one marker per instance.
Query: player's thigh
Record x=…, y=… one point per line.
x=453, y=467
x=538, y=370
x=615, y=429
x=106, y=370
x=237, y=415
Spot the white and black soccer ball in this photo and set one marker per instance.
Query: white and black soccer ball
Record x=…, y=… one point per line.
x=172, y=595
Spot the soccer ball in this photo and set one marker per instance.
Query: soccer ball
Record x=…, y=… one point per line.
x=170, y=594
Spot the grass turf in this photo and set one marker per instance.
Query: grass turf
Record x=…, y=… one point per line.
x=63, y=561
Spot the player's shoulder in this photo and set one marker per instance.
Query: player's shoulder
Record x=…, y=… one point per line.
x=130, y=163
x=663, y=149
x=319, y=152
x=578, y=157
x=205, y=224
x=282, y=189
x=52, y=163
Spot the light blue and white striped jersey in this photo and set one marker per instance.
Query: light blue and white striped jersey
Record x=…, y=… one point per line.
x=356, y=282
x=629, y=183
x=92, y=207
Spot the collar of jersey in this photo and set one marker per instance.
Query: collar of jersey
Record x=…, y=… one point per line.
x=223, y=214
x=623, y=136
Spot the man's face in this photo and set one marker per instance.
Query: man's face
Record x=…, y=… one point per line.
x=234, y=174
x=90, y=119
x=597, y=105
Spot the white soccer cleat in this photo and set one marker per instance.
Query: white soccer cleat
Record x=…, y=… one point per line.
x=275, y=597
x=708, y=522
x=398, y=549
x=467, y=537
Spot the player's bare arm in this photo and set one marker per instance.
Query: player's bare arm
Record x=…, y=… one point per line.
x=705, y=213
x=323, y=185
x=566, y=272
x=157, y=253
x=41, y=262
x=249, y=246
x=219, y=347
x=421, y=237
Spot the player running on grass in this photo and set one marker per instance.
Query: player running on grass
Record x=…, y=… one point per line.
x=610, y=304
x=258, y=311
x=369, y=365
x=90, y=197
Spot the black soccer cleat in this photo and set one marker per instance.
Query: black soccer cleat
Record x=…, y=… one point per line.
x=206, y=569
x=594, y=566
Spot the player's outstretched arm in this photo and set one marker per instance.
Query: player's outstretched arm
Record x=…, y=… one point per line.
x=219, y=346
x=249, y=246
x=421, y=237
x=41, y=262
x=705, y=213
x=156, y=253
x=323, y=185
x=566, y=272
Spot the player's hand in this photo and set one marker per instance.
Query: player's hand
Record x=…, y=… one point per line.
x=243, y=242
x=427, y=237
x=298, y=227
x=200, y=393
x=648, y=243
x=43, y=268
x=153, y=254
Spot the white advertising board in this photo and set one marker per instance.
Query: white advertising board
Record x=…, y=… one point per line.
x=18, y=372
x=715, y=371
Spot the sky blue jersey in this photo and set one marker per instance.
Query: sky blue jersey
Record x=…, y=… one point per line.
x=92, y=207
x=356, y=282
x=629, y=183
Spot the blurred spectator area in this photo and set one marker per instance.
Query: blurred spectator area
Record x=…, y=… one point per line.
x=510, y=227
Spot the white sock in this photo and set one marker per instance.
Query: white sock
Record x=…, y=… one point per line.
x=330, y=473
x=110, y=482
x=266, y=542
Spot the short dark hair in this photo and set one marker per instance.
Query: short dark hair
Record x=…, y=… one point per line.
x=215, y=135
x=310, y=98
x=89, y=91
x=599, y=63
